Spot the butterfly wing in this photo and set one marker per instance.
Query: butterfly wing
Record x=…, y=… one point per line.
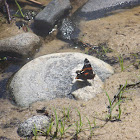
x=86, y=72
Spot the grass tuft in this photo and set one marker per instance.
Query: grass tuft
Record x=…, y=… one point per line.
x=111, y=107
x=78, y=124
x=121, y=63
x=35, y=132
x=90, y=128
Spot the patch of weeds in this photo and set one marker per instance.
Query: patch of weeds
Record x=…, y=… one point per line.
x=63, y=128
x=56, y=128
x=100, y=50
x=134, y=60
x=66, y=114
x=60, y=125
x=24, y=13
x=111, y=107
x=104, y=48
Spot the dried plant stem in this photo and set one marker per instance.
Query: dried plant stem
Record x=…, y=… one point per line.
x=8, y=11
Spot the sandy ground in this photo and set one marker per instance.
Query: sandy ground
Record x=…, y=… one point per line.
x=121, y=31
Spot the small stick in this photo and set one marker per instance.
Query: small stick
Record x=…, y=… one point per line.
x=122, y=88
x=36, y=2
x=132, y=85
x=117, y=95
x=8, y=11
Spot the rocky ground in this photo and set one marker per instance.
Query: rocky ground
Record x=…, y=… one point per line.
x=121, y=32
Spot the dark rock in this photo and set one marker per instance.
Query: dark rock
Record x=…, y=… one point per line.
x=98, y=8
x=67, y=30
x=54, y=11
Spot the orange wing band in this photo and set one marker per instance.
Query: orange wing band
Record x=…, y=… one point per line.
x=87, y=69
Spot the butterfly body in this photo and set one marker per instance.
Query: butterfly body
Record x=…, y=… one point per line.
x=86, y=72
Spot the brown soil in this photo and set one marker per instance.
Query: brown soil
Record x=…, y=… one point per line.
x=121, y=31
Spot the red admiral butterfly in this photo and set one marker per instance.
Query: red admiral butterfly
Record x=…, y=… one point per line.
x=86, y=72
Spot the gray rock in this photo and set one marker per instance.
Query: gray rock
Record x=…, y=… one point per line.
x=26, y=128
x=98, y=8
x=24, y=44
x=52, y=76
x=54, y=11
x=67, y=29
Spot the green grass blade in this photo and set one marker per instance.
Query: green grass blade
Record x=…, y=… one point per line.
x=90, y=127
x=35, y=131
x=120, y=111
x=108, y=99
x=49, y=128
x=20, y=9
x=68, y=128
x=121, y=63
x=80, y=121
x=116, y=104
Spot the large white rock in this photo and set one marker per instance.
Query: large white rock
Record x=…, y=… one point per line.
x=52, y=76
